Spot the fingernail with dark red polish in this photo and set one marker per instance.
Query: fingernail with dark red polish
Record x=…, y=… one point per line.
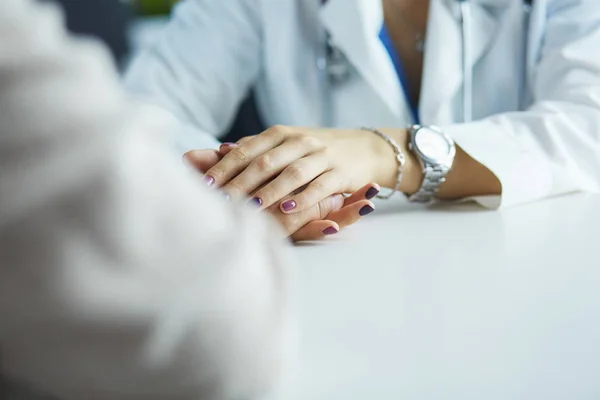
x=256, y=201
x=366, y=210
x=330, y=231
x=209, y=180
x=371, y=193
x=289, y=205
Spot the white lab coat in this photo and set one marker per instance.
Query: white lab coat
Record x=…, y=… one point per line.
x=536, y=79
x=122, y=277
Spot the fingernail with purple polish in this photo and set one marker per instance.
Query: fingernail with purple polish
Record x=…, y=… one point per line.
x=256, y=201
x=209, y=180
x=330, y=231
x=366, y=210
x=289, y=205
x=371, y=193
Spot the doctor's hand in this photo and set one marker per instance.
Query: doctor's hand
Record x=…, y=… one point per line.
x=325, y=218
x=283, y=160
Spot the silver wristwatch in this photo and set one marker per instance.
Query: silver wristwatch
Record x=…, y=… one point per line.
x=436, y=151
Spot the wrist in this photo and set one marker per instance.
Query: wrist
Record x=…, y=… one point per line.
x=387, y=167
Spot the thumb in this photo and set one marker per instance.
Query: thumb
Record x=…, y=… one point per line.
x=203, y=160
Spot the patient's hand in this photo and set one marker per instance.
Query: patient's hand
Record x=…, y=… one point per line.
x=326, y=218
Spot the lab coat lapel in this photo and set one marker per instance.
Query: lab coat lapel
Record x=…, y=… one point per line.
x=354, y=26
x=443, y=70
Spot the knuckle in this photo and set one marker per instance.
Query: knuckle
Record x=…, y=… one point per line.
x=216, y=172
x=239, y=154
x=322, y=209
x=316, y=188
x=279, y=129
x=265, y=163
x=328, y=153
x=277, y=132
x=296, y=172
x=310, y=141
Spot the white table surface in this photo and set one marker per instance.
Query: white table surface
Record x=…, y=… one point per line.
x=453, y=303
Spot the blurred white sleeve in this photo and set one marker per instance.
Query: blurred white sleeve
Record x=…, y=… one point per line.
x=121, y=276
x=553, y=148
x=202, y=67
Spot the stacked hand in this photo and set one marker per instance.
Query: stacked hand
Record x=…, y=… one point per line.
x=298, y=175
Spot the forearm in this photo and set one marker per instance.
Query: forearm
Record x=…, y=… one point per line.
x=467, y=177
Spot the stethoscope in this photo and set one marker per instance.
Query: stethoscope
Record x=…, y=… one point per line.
x=338, y=67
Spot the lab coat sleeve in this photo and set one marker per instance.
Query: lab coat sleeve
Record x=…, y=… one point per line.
x=121, y=275
x=552, y=148
x=201, y=67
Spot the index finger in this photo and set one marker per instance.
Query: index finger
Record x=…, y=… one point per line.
x=294, y=222
x=239, y=157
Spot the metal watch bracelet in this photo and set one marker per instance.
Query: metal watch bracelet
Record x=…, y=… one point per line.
x=433, y=177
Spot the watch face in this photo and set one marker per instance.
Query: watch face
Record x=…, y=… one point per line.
x=432, y=144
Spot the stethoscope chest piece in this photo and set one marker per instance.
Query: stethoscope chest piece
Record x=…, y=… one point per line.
x=337, y=64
